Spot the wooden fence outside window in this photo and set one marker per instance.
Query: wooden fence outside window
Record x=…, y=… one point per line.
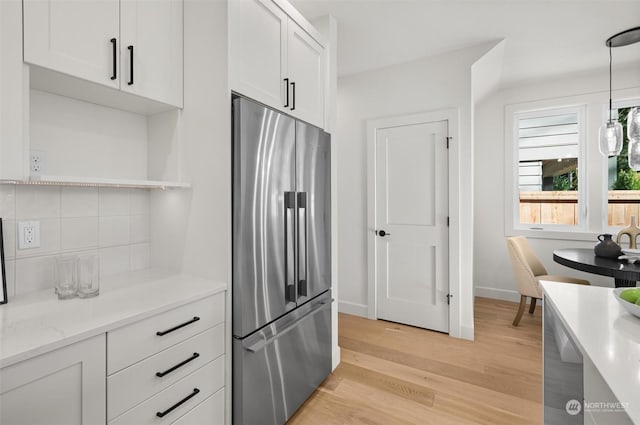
x=561, y=207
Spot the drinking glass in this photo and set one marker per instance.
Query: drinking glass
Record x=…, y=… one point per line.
x=66, y=276
x=88, y=280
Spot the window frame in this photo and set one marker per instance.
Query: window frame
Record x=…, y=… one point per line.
x=513, y=114
x=616, y=104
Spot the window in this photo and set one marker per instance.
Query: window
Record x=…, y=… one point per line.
x=548, y=147
x=623, y=183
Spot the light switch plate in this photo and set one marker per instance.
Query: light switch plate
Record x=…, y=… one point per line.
x=28, y=234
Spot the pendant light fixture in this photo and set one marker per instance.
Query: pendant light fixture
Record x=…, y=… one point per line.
x=633, y=123
x=610, y=135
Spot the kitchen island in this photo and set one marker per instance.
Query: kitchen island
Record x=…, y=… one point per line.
x=591, y=357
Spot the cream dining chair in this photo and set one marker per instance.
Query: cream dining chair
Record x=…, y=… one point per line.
x=529, y=271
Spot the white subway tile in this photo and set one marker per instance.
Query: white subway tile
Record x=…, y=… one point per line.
x=49, y=238
x=114, y=201
x=10, y=271
x=114, y=260
x=9, y=237
x=36, y=273
x=139, y=228
x=79, y=202
x=114, y=230
x=37, y=202
x=139, y=201
x=7, y=201
x=78, y=233
x=139, y=257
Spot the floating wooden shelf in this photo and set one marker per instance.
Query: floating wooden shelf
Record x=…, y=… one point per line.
x=99, y=182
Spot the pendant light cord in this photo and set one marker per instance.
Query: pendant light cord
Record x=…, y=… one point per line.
x=610, y=85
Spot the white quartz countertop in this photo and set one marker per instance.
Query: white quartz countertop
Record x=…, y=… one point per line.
x=606, y=333
x=38, y=322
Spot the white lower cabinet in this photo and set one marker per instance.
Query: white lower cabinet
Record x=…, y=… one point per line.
x=170, y=404
x=63, y=387
x=164, y=369
x=209, y=412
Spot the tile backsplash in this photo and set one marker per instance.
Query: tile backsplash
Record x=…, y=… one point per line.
x=113, y=223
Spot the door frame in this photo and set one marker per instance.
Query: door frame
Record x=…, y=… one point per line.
x=452, y=118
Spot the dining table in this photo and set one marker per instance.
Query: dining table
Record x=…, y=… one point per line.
x=624, y=273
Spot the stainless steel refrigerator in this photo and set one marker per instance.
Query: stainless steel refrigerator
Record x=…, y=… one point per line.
x=281, y=263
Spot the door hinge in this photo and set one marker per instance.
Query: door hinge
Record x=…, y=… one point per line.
x=449, y=296
x=448, y=221
x=448, y=140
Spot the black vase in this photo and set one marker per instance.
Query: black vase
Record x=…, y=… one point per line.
x=607, y=248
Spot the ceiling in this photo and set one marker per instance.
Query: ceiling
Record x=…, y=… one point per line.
x=543, y=38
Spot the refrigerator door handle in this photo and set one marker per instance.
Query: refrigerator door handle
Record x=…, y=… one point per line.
x=302, y=244
x=259, y=345
x=289, y=248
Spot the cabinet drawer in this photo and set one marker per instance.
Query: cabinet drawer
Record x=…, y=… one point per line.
x=136, y=383
x=135, y=342
x=183, y=396
x=210, y=412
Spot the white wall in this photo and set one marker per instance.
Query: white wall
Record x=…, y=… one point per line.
x=430, y=84
x=493, y=276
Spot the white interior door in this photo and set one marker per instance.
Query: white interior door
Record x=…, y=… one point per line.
x=411, y=214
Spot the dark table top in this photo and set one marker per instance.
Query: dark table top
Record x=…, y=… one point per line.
x=585, y=260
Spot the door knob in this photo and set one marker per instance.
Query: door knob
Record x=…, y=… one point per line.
x=382, y=233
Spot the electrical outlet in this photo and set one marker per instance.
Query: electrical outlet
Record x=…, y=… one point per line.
x=37, y=162
x=28, y=234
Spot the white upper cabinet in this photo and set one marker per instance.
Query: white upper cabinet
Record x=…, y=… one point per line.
x=79, y=38
x=275, y=61
x=96, y=41
x=306, y=72
x=258, y=50
x=151, y=49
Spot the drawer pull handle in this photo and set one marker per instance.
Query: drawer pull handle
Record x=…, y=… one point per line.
x=178, y=404
x=168, y=371
x=175, y=328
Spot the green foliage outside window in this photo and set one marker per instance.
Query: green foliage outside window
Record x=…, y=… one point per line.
x=568, y=181
x=627, y=178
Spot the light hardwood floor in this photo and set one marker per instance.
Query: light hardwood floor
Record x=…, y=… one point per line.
x=395, y=374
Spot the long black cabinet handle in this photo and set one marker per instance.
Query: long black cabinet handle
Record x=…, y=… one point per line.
x=293, y=89
x=114, y=74
x=289, y=246
x=175, y=328
x=168, y=371
x=130, y=65
x=178, y=404
x=302, y=244
x=286, y=84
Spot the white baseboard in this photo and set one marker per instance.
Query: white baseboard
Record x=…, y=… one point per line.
x=353, y=308
x=497, y=294
x=335, y=359
x=466, y=332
